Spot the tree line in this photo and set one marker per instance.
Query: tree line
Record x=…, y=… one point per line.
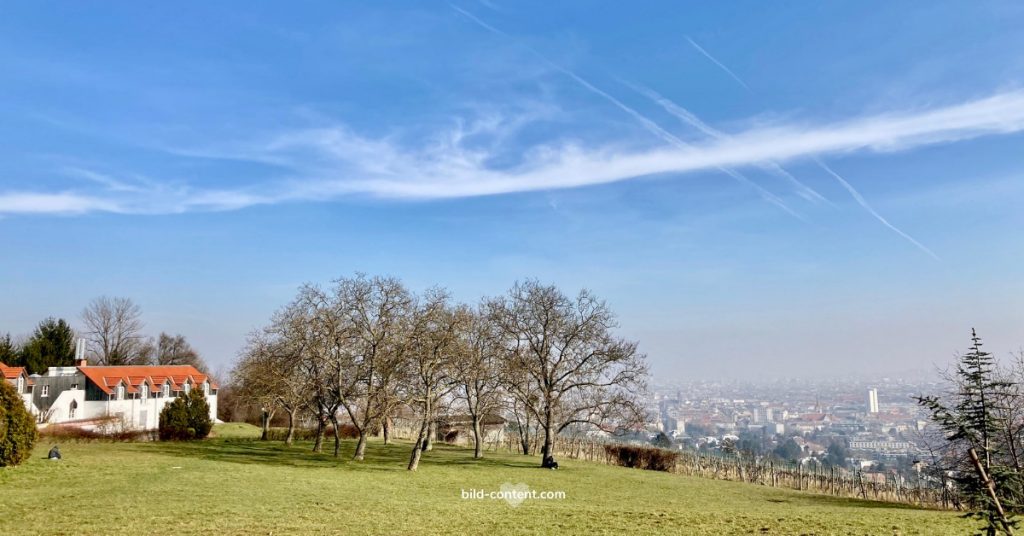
x=365, y=348
x=114, y=334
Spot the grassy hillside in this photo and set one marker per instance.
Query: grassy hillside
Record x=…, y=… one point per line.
x=233, y=485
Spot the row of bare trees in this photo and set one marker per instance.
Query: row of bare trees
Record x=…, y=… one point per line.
x=366, y=348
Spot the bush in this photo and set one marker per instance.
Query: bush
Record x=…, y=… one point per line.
x=17, y=427
x=188, y=417
x=66, y=433
x=652, y=459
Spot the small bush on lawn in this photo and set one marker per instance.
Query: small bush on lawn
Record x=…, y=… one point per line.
x=188, y=417
x=652, y=459
x=17, y=427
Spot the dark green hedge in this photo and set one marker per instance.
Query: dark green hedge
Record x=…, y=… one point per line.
x=188, y=417
x=653, y=459
x=17, y=427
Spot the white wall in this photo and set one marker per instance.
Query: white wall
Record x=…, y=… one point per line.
x=137, y=414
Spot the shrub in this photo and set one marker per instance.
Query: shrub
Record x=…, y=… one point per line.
x=638, y=457
x=188, y=417
x=66, y=433
x=17, y=427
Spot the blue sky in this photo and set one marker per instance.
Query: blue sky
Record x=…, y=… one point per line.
x=758, y=189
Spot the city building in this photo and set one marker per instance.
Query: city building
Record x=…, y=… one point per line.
x=872, y=400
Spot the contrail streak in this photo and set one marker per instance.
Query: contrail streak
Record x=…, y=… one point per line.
x=691, y=119
x=644, y=121
x=862, y=202
x=718, y=63
x=853, y=191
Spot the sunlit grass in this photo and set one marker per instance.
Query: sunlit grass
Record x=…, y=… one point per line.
x=233, y=484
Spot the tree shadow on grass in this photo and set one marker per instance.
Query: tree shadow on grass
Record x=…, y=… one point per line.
x=379, y=457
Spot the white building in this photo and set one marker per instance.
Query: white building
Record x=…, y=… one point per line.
x=19, y=378
x=127, y=396
x=872, y=400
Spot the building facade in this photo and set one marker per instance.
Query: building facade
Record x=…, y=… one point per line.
x=130, y=397
x=19, y=378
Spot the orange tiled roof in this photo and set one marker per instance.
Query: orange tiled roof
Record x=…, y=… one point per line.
x=12, y=373
x=107, y=378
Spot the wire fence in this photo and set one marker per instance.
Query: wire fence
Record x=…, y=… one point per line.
x=921, y=490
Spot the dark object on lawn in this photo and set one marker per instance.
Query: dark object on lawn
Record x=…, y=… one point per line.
x=549, y=463
x=54, y=453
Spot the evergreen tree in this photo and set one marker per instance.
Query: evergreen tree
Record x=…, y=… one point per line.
x=17, y=427
x=836, y=454
x=973, y=422
x=186, y=418
x=9, y=352
x=52, y=345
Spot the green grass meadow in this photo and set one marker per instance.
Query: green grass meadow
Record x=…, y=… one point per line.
x=234, y=484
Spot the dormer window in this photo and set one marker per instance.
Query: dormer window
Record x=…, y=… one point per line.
x=21, y=384
x=144, y=391
x=119, y=392
x=206, y=388
x=166, y=390
x=187, y=387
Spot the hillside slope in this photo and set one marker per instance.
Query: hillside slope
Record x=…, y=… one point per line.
x=233, y=485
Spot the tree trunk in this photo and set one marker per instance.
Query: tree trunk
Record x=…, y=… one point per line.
x=524, y=441
x=549, y=438
x=428, y=441
x=318, y=445
x=417, y=449
x=290, y=438
x=478, y=451
x=337, y=435
x=386, y=427
x=421, y=437
x=360, y=446
x=266, y=426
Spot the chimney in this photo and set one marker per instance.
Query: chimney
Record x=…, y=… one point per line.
x=80, y=360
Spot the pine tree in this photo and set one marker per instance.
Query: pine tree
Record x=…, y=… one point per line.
x=974, y=422
x=52, y=345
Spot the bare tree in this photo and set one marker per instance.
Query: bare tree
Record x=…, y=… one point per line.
x=269, y=374
x=479, y=367
x=579, y=372
x=434, y=348
x=176, y=350
x=369, y=352
x=114, y=329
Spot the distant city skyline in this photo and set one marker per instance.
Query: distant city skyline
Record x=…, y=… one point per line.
x=804, y=191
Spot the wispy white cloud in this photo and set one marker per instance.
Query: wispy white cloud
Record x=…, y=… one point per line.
x=327, y=162
x=863, y=203
x=53, y=203
x=722, y=66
